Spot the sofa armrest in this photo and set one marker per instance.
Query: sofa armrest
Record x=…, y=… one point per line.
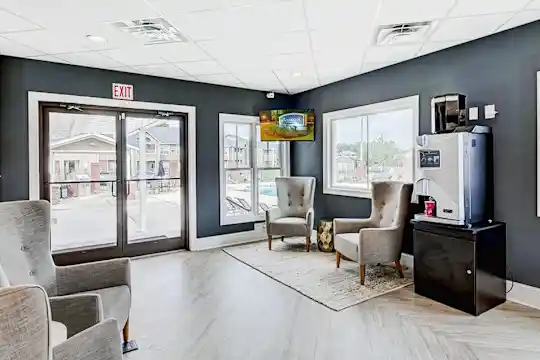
x=77, y=312
x=100, y=342
x=93, y=276
x=379, y=245
x=342, y=226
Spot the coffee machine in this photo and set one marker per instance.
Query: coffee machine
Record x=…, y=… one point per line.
x=452, y=166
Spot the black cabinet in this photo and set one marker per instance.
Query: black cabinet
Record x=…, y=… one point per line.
x=464, y=268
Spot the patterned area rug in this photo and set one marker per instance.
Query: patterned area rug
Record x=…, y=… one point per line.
x=314, y=274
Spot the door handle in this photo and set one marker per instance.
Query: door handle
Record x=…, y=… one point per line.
x=112, y=190
x=128, y=189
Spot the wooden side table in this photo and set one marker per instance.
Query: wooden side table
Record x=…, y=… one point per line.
x=325, y=235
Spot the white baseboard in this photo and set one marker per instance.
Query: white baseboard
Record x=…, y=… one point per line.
x=218, y=241
x=407, y=260
x=520, y=293
x=245, y=237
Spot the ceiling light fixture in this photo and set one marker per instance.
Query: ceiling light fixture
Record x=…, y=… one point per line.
x=296, y=74
x=96, y=38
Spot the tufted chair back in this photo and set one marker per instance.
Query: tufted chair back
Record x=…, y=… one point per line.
x=390, y=203
x=25, y=250
x=24, y=323
x=296, y=195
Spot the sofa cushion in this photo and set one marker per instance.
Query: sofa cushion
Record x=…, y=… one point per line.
x=289, y=226
x=347, y=245
x=116, y=303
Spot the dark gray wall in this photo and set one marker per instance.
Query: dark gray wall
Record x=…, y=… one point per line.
x=501, y=70
x=18, y=76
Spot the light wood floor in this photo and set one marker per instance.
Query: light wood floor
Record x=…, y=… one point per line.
x=207, y=305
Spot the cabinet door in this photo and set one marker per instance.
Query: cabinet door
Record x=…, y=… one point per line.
x=444, y=269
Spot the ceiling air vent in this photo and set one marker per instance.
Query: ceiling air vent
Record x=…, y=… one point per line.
x=151, y=31
x=403, y=33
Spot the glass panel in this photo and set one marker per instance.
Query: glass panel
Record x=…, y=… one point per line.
x=391, y=142
x=82, y=148
x=154, y=188
x=156, y=161
x=268, y=152
x=267, y=189
x=238, y=192
x=236, y=140
x=349, y=153
x=154, y=210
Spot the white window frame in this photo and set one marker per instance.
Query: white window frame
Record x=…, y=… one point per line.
x=410, y=102
x=254, y=215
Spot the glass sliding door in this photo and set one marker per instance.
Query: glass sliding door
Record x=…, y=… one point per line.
x=115, y=181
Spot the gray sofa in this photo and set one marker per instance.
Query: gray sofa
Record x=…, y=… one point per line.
x=377, y=239
x=80, y=296
x=25, y=331
x=294, y=215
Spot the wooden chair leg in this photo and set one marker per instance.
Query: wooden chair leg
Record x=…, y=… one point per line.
x=362, y=274
x=269, y=242
x=399, y=268
x=125, y=331
x=338, y=258
x=308, y=243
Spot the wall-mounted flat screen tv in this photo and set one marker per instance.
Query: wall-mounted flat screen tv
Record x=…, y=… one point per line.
x=287, y=125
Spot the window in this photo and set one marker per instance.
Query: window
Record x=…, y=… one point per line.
x=248, y=169
x=165, y=150
x=369, y=143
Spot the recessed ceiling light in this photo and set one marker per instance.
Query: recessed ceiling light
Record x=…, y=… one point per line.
x=96, y=38
x=296, y=74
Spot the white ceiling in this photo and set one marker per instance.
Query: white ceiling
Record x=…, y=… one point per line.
x=286, y=46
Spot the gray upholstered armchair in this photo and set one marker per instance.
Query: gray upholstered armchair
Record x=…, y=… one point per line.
x=80, y=296
x=25, y=331
x=377, y=239
x=294, y=215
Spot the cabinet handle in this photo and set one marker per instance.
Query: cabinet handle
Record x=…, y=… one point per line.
x=469, y=272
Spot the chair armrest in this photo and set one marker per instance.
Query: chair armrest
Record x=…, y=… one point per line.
x=100, y=342
x=342, y=226
x=271, y=215
x=378, y=245
x=93, y=276
x=310, y=219
x=77, y=312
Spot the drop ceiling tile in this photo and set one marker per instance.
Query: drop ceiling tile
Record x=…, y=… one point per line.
x=115, y=38
x=10, y=23
x=292, y=62
x=399, y=11
x=432, y=47
x=174, y=7
x=11, y=48
x=371, y=66
x=328, y=79
x=273, y=87
x=163, y=70
x=221, y=79
x=50, y=41
x=468, y=28
x=236, y=23
x=134, y=56
x=381, y=54
x=201, y=67
x=521, y=18
x=62, y=13
x=481, y=7
x=307, y=79
x=259, y=77
x=49, y=58
x=90, y=59
x=348, y=14
x=535, y=4
x=338, y=38
x=178, y=52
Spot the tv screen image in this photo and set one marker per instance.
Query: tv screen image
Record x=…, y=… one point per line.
x=287, y=125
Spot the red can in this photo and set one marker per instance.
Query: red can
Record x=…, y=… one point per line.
x=429, y=207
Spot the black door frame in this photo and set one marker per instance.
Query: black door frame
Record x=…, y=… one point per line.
x=122, y=247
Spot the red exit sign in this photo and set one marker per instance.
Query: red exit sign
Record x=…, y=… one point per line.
x=122, y=91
